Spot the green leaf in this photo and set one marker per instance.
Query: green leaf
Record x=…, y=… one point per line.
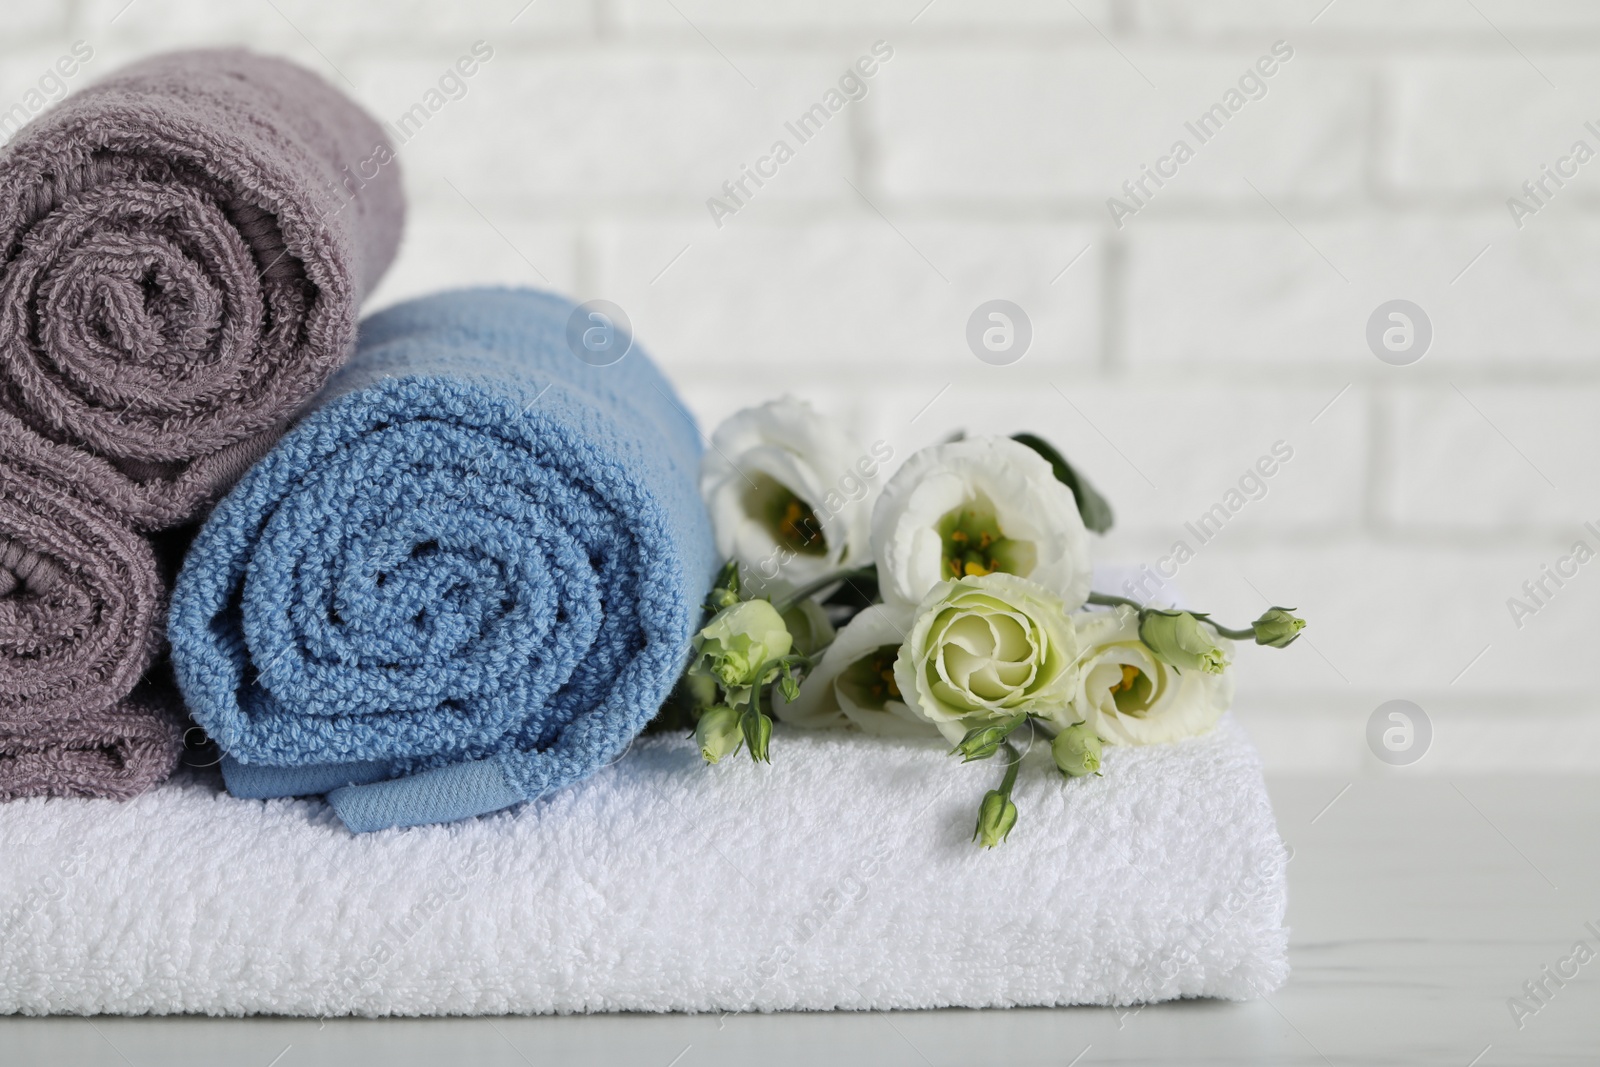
x=1093, y=507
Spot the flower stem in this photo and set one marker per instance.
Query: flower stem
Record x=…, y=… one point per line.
x=1238, y=635
x=762, y=686
x=812, y=588
x=1109, y=600
x=1013, y=761
x=793, y=659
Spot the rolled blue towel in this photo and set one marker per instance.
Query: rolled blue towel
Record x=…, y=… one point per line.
x=467, y=579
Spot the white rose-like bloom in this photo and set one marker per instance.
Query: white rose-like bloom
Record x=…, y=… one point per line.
x=855, y=683
x=1129, y=697
x=974, y=507
x=984, y=649
x=789, y=492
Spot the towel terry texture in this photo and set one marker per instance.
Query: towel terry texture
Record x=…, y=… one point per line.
x=841, y=876
x=182, y=250
x=467, y=579
x=185, y=247
x=115, y=752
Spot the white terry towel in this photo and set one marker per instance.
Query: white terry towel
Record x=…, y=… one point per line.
x=841, y=876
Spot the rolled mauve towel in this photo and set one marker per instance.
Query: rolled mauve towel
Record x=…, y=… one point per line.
x=183, y=249
x=115, y=752
x=81, y=599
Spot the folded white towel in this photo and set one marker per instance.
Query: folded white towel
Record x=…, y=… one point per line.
x=841, y=876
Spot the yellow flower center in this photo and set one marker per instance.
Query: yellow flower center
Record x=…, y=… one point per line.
x=870, y=679
x=791, y=521
x=1133, y=692
x=1129, y=674
x=884, y=688
x=974, y=544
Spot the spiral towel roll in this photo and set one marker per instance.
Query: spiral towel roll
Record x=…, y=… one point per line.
x=466, y=580
x=186, y=245
x=182, y=251
x=115, y=752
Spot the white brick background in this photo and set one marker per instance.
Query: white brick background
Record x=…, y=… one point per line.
x=1175, y=350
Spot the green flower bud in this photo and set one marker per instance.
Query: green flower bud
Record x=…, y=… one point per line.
x=717, y=733
x=725, y=591
x=757, y=729
x=735, y=644
x=718, y=599
x=788, y=684
x=1181, y=640
x=996, y=816
x=1277, y=628
x=985, y=740
x=1076, y=750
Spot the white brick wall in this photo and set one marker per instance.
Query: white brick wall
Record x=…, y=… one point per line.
x=1222, y=317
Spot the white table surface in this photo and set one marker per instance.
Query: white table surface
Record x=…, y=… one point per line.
x=1418, y=906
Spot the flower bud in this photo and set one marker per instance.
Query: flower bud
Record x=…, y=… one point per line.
x=757, y=729
x=720, y=598
x=983, y=741
x=725, y=590
x=1181, y=640
x=1277, y=628
x=788, y=684
x=717, y=733
x=1076, y=750
x=996, y=816
x=739, y=641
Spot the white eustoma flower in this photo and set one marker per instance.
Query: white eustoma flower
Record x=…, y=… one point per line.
x=1130, y=697
x=985, y=649
x=855, y=683
x=790, y=493
x=972, y=507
